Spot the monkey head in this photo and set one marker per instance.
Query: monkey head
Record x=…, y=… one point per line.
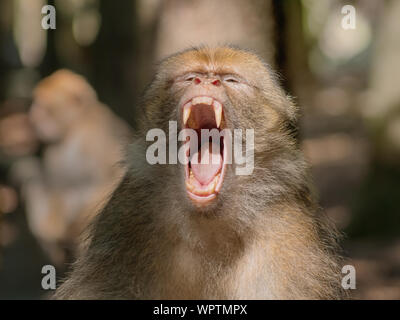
x=224, y=88
x=58, y=102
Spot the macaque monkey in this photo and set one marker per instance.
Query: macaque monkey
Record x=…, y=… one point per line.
x=84, y=145
x=201, y=231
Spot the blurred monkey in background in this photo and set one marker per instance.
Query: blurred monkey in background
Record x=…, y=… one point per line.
x=81, y=161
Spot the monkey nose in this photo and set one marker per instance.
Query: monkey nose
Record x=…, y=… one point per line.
x=215, y=82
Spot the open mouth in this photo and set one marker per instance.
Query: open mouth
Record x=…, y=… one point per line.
x=206, y=166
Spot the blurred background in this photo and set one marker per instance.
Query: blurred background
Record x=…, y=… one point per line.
x=345, y=80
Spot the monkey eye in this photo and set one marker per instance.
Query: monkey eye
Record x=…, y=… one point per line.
x=231, y=79
x=190, y=77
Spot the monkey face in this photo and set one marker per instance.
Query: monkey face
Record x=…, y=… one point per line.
x=52, y=114
x=217, y=89
x=45, y=121
x=59, y=102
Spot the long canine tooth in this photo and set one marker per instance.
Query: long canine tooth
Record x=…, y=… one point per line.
x=202, y=100
x=187, y=108
x=218, y=112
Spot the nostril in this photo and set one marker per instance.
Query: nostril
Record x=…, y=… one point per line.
x=216, y=82
x=197, y=80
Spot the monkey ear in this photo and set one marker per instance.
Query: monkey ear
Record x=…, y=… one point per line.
x=82, y=93
x=82, y=98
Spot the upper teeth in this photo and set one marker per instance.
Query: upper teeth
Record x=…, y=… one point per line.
x=202, y=100
x=187, y=108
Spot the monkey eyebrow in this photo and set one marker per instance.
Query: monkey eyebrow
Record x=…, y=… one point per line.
x=182, y=76
x=231, y=74
x=221, y=74
x=237, y=76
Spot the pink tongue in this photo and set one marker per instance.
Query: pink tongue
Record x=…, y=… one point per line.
x=208, y=165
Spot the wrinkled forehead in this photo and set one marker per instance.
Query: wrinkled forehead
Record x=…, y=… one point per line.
x=216, y=61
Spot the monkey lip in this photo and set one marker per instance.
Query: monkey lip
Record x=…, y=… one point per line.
x=206, y=166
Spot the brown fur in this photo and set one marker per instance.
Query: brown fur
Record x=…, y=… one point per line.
x=264, y=238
